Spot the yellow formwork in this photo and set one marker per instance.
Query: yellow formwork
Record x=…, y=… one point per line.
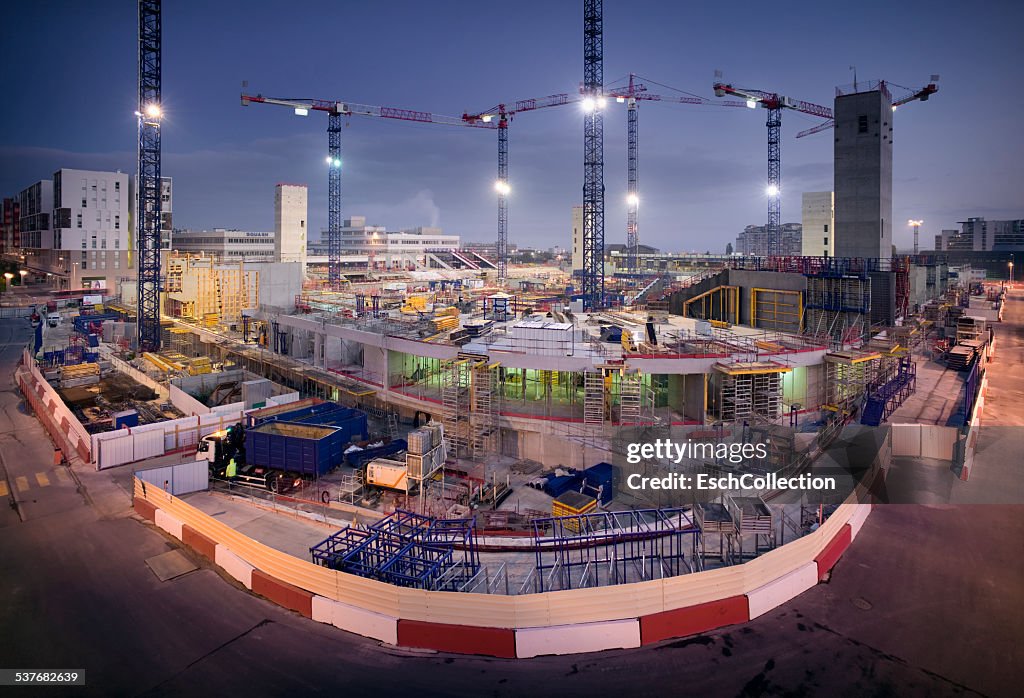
x=778, y=312
x=728, y=304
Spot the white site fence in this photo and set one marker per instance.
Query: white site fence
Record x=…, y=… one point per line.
x=129, y=445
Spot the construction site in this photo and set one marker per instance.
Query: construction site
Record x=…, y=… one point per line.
x=447, y=420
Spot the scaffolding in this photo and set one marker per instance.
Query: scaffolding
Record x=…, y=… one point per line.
x=455, y=396
x=205, y=290
x=837, y=306
x=485, y=408
x=606, y=548
x=748, y=389
x=776, y=309
x=847, y=376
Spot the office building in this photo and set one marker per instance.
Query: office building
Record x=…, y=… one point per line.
x=228, y=245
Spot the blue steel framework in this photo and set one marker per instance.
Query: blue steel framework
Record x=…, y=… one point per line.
x=148, y=208
x=593, y=156
x=405, y=549
x=573, y=548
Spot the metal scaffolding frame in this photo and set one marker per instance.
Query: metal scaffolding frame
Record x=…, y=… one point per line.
x=455, y=403
x=837, y=306
x=749, y=389
x=847, y=376
x=485, y=407
x=600, y=549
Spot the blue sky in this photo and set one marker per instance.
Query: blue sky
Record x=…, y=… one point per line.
x=69, y=76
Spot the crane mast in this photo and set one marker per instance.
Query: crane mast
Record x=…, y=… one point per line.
x=504, y=114
x=593, y=156
x=148, y=206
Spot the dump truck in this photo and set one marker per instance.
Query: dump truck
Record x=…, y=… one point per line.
x=277, y=455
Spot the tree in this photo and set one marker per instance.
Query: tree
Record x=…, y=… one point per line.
x=728, y=249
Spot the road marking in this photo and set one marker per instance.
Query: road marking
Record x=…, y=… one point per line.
x=22, y=482
x=42, y=480
x=3, y=488
x=61, y=474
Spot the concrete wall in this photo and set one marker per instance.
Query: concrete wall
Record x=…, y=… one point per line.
x=863, y=175
x=279, y=282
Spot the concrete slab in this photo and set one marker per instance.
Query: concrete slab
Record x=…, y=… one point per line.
x=170, y=565
x=285, y=532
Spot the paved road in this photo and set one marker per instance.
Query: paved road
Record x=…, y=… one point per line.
x=928, y=601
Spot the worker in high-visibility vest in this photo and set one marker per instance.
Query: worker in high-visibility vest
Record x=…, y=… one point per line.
x=232, y=468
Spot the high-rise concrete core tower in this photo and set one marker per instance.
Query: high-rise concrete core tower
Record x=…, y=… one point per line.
x=863, y=175
x=290, y=223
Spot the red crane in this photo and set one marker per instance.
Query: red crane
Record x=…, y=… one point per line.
x=774, y=103
x=504, y=113
x=336, y=109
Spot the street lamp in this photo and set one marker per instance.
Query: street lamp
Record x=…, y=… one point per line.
x=8, y=276
x=1011, y=272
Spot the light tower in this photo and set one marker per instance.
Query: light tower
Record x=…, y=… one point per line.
x=916, y=225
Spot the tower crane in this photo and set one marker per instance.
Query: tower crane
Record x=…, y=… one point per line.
x=909, y=95
x=335, y=110
x=148, y=205
x=774, y=103
x=630, y=95
x=593, y=155
x=504, y=113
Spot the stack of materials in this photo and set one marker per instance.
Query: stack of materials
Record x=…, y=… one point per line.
x=445, y=323
x=963, y=355
x=80, y=375
x=572, y=503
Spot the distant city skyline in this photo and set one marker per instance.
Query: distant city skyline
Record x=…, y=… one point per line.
x=702, y=169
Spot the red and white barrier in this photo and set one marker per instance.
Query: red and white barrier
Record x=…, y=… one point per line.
x=777, y=592
x=584, y=637
x=356, y=620
x=234, y=565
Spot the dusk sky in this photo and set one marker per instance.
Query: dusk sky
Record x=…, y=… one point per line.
x=69, y=85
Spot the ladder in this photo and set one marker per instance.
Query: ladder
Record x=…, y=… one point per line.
x=630, y=398
x=593, y=398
